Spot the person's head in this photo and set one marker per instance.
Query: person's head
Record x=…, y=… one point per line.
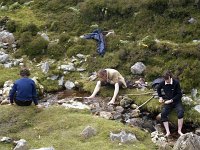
x=24, y=72
x=102, y=74
x=167, y=76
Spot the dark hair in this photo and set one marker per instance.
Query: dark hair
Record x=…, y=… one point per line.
x=24, y=72
x=167, y=74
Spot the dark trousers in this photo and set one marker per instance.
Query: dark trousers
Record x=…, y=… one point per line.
x=22, y=103
x=167, y=109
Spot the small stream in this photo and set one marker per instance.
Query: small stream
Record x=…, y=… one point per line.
x=98, y=106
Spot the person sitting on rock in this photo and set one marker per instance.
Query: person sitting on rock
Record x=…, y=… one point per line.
x=171, y=98
x=109, y=76
x=23, y=91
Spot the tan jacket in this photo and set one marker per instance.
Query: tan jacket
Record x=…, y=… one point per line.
x=113, y=76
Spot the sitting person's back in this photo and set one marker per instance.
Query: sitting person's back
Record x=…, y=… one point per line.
x=23, y=91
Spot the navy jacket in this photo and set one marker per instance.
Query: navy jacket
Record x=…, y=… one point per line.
x=171, y=91
x=25, y=90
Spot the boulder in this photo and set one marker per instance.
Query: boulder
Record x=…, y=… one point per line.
x=188, y=141
x=138, y=68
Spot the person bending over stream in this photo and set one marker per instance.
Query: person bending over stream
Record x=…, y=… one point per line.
x=109, y=76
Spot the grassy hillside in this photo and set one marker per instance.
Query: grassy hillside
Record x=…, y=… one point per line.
x=61, y=128
x=156, y=32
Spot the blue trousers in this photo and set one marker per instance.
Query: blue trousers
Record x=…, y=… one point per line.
x=167, y=108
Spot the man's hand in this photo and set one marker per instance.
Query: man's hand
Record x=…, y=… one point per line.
x=39, y=106
x=161, y=100
x=168, y=101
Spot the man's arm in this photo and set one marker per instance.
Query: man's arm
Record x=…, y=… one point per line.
x=35, y=100
x=159, y=93
x=12, y=93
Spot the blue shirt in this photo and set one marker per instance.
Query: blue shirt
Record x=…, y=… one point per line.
x=25, y=90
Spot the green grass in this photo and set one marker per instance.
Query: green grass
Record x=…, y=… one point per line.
x=24, y=16
x=61, y=128
x=8, y=74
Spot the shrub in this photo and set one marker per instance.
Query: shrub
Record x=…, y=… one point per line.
x=189, y=77
x=63, y=39
x=36, y=47
x=9, y=2
x=14, y=6
x=158, y=6
x=73, y=50
x=31, y=27
x=175, y=3
x=112, y=43
x=96, y=63
x=54, y=26
x=55, y=5
x=82, y=46
x=55, y=51
x=178, y=13
x=100, y=10
x=11, y=26
x=24, y=39
x=153, y=72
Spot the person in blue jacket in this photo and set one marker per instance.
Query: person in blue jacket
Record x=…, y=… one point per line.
x=23, y=92
x=171, y=98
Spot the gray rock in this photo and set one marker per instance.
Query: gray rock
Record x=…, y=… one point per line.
x=53, y=77
x=4, y=58
x=93, y=77
x=21, y=145
x=7, y=37
x=197, y=131
x=192, y=20
x=6, y=140
x=106, y=115
x=4, y=8
x=126, y=102
x=138, y=68
x=81, y=56
x=188, y=141
x=45, y=67
x=69, y=85
x=44, y=36
x=194, y=93
x=88, y=132
x=197, y=108
x=61, y=81
x=5, y=102
x=80, y=69
x=8, y=65
x=135, y=113
x=69, y=67
x=123, y=137
x=119, y=109
x=187, y=100
x=45, y=148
